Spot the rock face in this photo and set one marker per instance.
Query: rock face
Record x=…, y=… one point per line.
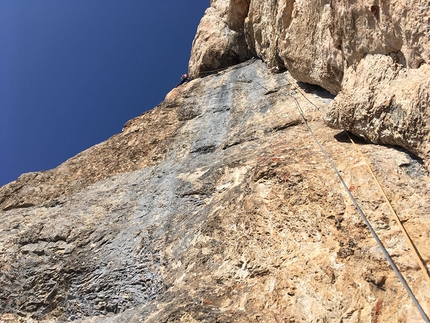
x=392, y=109
x=316, y=40
x=216, y=206
x=364, y=51
x=220, y=40
x=219, y=206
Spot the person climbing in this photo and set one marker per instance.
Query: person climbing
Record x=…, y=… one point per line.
x=184, y=79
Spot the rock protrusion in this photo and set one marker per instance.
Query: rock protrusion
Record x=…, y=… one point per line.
x=367, y=53
x=220, y=40
x=387, y=104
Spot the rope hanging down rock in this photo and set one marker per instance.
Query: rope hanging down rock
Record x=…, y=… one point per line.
x=369, y=226
x=396, y=217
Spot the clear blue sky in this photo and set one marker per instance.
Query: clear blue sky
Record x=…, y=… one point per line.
x=73, y=72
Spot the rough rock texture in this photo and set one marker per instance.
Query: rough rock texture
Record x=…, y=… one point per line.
x=364, y=51
x=316, y=40
x=220, y=38
x=216, y=206
x=388, y=104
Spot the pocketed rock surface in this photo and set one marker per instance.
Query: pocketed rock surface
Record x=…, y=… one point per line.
x=217, y=206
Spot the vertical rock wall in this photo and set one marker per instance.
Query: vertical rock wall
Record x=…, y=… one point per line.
x=224, y=209
x=217, y=206
x=363, y=51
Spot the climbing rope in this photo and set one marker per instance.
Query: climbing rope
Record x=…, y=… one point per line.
x=301, y=92
x=369, y=226
x=396, y=217
x=372, y=231
x=206, y=73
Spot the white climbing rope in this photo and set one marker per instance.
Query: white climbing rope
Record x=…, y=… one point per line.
x=372, y=231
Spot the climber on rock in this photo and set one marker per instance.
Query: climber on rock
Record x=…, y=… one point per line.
x=184, y=78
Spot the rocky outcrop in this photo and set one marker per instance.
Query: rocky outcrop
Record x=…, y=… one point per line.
x=387, y=104
x=316, y=40
x=216, y=206
x=342, y=46
x=220, y=40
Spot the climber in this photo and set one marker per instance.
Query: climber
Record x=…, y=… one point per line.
x=184, y=78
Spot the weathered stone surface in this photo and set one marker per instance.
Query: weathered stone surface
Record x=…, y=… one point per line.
x=220, y=40
x=349, y=48
x=316, y=40
x=387, y=104
x=219, y=208
x=99, y=162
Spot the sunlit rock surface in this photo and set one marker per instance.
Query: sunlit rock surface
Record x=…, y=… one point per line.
x=387, y=104
x=374, y=54
x=216, y=206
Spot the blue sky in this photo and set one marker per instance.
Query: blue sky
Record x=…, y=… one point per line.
x=73, y=72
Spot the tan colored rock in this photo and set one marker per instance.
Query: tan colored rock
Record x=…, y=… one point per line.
x=296, y=35
x=232, y=214
x=172, y=95
x=220, y=40
x=387, y=104
x=317, y=41
x=218, y=206
x=99, y=162
x=348, y=48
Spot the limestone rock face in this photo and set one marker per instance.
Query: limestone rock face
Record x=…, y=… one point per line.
x=343, y=46
x=387, y=104
x=216, y=206
x=316, y=40
x=220, y=40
